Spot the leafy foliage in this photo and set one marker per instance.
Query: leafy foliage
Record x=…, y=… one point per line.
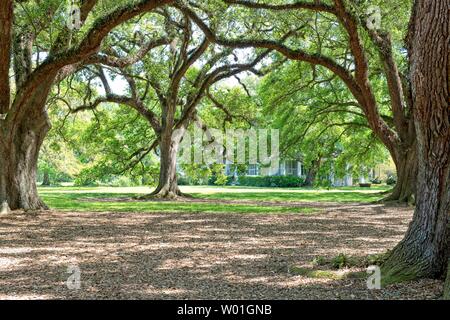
x=271, y=181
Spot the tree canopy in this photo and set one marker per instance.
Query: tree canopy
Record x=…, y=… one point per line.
x=347, y=82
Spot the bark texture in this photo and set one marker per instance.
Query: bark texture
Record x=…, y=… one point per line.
x=168, y=184
x=19, y=153
x=312, y=173
x=46, y=180
x=422, y=253
x=6, y=18
x=406, y=164
x=447, y=284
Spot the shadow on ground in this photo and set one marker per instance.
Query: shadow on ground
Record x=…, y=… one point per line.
x=196, y=255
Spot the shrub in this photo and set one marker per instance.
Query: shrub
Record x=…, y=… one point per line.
x=343, y=261
x=376, y=181
x=218, y=175
x=183, y=181
x=340, y=261
x=391, y=180
x=377, y=259
x=195, y=174
x=86, y=178
x=271, y=181
x=220, y=180
x=122, y=181
x=320, y=261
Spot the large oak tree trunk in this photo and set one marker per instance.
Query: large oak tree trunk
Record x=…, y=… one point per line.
x=422, y=253
x=447, y=283
x=19, y=151
x=46, y=179
x=168, y=184
x=312, y=173
x=406, y=166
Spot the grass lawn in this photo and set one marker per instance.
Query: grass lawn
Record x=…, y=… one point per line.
x=344, y=194
x=209, y=198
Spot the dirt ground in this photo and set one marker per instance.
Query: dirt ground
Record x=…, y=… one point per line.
x=197, y=256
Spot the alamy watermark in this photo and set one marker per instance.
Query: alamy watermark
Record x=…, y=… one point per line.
x=74, y=280
x=373, y=20
x=373, y=16
x=374, y=279
x=73, y=16
x=232, y=146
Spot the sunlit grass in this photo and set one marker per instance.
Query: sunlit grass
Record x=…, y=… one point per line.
x=344, y=194
x=319, y=196
x=90, y=202
x=110, y=199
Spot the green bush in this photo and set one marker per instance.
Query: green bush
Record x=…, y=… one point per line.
x=183, y=181
x=271, y=181
x=340, y=261
x=86, y=178
x=377, y=259
x=320, y=261
x=376, y=181
x=122, y=181
x=85, y=183
x=195, y=174
x=220, y=180
x=391, y=180
x=218, y=176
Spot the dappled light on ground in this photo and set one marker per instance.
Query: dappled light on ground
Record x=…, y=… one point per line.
x=197, y=255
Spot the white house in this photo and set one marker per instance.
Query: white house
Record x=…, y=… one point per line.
x=286, y=168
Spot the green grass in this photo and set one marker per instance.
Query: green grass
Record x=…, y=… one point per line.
x=89, y=202
x=89, y=199
x=345, y=194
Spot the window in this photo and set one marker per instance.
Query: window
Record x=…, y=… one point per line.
x=252, y=170
x=291, y=168
x=228, y=170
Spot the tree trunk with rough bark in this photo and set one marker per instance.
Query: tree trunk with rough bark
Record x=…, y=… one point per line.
x=406, y=166
x=446, y=295
x=19, y=151
x=46, y=179
x=422, y=253
x=312, y=173
x=168, y=183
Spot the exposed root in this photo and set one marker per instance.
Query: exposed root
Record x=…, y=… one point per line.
x=403, y=265
x=393, y=271
x=38, y=206
x=165, y=195
x=395, y=199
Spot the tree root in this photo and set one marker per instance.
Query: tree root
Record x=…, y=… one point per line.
x=393, y=199
x=168, y=195
x=404, y=265
x=396, y=272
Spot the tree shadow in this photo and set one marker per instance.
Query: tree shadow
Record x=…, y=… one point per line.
x=193, y=256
